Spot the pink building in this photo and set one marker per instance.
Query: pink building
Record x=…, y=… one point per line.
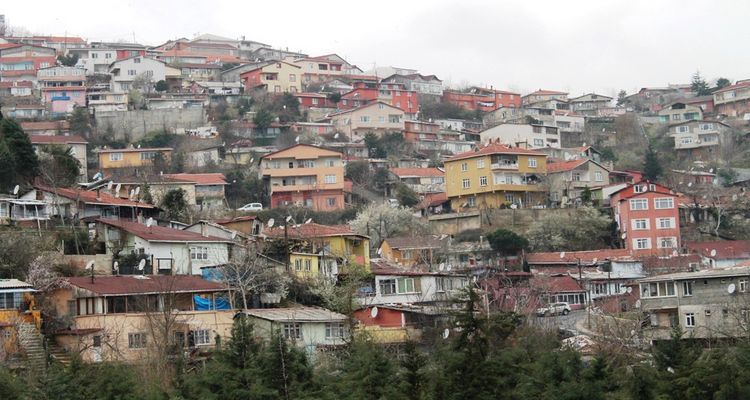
x=63, y=88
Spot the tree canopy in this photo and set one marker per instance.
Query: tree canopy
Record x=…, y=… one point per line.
x=506, y=242
x=583, y=228
x=18, y=159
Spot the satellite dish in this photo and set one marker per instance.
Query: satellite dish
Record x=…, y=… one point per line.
x=131, y=193
x=116, y=266
x=271, y=222
x=638, y=303
x=16, y=189
x=562, y=254
x=296, y=139
x=336, y=136
x=448, y=267
x=441, y=266
x=90, y=265
x=731, y=288
x=252, y=160
x=142, y=264
x=713, y=253
x=72, y=151
x=446, y=333
x=594, y=260
x=137, y=190
x=98, y=176
x=139, y=145
x=374, y=312
x=675, y=253
x=117, y=188
x=629, y=289
x=624, y=235
x=149, y=222
x=584, y=144
x=474, y=279
x=308, y=221
x=234, y=235
x=288, y=218
x=690, y=184
x=380, y=251
x=711, y=171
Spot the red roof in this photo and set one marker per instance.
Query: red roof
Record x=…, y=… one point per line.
x=545, y=92
x=735, y=86
x=223, y=221
x=45, y=125
x=556, y=284
x=571, y=257
x=628, y=191
x=725, y=249
x=130, y=284
x=201, y=179
x=57, y=139
x=311, y=230
x=415, y=242
x=495, y=148
x=157, y=233
x=20, y=84
x=91, y=197
x=419, y=172
x=565, y=165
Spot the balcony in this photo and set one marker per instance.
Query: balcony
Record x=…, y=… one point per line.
x=506, y=166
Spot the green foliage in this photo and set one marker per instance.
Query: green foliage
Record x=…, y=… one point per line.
x=159, y=139
x=245, y=187
x=10, y=386
x=359, y=172
x=406, y=196
x=161, y=86
x=20, y=159
x=175, y=204
x=652, y=168
x=507, y=243
x=699, y=85
x=79, y=121
x=621, y=97
x=586, y=195
x=69, y=61
x=722, y=83
x=367, y=374
x=59, y=168
x=583, y=228
x=146, y=195
x=334, y=97
x=437, y=110
x=608, y=154
x=263, y=119
x=387, y=145
x=727, y=176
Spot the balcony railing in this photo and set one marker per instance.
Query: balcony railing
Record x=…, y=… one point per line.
x=505, y=166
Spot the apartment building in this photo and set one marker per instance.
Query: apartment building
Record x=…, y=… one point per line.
x=111, y=159
x=699, y=140
x=273, y=77
x=678, y=112
x=647, y=217
x=62, y=88
x=531, y=136
x=733, y=100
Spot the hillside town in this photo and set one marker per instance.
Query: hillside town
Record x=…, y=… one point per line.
x=362, y=231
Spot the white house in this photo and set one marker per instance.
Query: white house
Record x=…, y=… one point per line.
x=397, y=286
x=125, y=71
x=94, y=60
x=530, y=136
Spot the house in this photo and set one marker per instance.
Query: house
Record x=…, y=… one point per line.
x=459, y=125
x=678, y=112
x=100, y=98
x=158, y=185
x=375, y=117
x=304, y=175
x=198, y=71
x=273, y=77
x=482, y=99
x=94, y=60
x=722, y=253
x=20, y=62
x=572, y=153
x=309, y=100
x=590, y=104
x=420, y=180
x=167, y=251
x=411, y=251
x=391, y=93
x=732, y=100
x=209, y=188
x=25, y=111
x=495, y=175
x=559, y=288
x=414, y=131
x=422, y=84
x=647, y=218
x=313, y=128
x=390, y=323
x=699, y=140
x=18, y=313
x=323, y=68
x=311, y=328
x=706, y=304
x=125, y=71
x=246, y=224
x=568, y=179
x=75, y=143
x=652, y=98
x=541, y=96
x=113, y=159
x=216, y=87
x=63, y=44
x=119, y=318
x=531, y=136
x=16, y=88
x=393, y=285
x=322, y=250
x=22, y=212
x=122, y=50
x=74, y=204
x=202, y=153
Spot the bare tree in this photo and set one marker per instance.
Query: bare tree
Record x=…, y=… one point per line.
x=253, y=274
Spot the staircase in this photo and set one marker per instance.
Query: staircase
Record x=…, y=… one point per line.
x=59, y=354
x=31, y=341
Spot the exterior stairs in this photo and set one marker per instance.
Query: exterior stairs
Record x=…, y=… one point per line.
x=33, y=344
x=59, y=354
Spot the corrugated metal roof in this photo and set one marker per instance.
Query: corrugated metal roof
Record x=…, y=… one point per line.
x=297, y=314
x=14, y=284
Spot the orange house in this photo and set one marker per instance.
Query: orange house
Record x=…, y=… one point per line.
x=647, y=216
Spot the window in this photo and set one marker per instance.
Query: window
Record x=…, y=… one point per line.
x=334, y=330
x=292, y=78
x=387, y=286
x=10, y=301
x=665, y=223
x=364, y=118
x=277, y=88
x=598, y=176
x=639, y=188
x=292, y=331
x=639, y=204
x=136, y=60
x=202, y=337
x=676, y=117
x=298, y=265
x=330, y=163
x=136, y=340
x=659, y=289
x=743, y=285
x=406, y=285
x=480, y=163
x=331, y=202
x=667, y=242
x=330, y=179
x=314, y=102
x=199, y=253
x=381, y=106
x=509, y=197
x=394, y=119
x=482, y=181
x=538, y=142
x=687, y=288
x=471, y=201
x=131, y=72
x=532, y=162
x=663, y=203
x=642, y=243
x=115, y=156
x=466, y=183
x=464, y=167
x=308, y=265
x=640, y=224
x=682, y=129
x=107, y=55
x=148, y=155
x=575, y=176
x=689, y=320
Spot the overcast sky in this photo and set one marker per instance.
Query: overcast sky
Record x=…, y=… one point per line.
x=575, y=46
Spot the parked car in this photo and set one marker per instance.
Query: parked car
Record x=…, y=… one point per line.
x=554, y=309
x=251, y=207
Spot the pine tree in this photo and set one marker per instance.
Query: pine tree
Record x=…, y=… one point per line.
x=412, y=373
x=368, y=373
x=652, y=169
x=699, y=85
x=19, y=145
x=285, y=369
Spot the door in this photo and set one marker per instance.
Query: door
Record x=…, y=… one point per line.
x=97, y=349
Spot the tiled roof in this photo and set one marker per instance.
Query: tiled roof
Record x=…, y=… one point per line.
x=130, y=284
x=14, y=284
x=725, y=249
x=571, y=257
x=21, y=84
x=57, y=139
x=654, y=265
x=732, y=87
x=45, y=125
x=135, y=150
x=201, y=179
x=628, y=191
x=297, y=314
x=495, y=148
x=418, y=172
x=311, y=230
x=739, y=270
x=157, y=233
x=544, y=92
x=415, y=242
x=91, y=197
x=323, y=152
x=223, y=221
x=561, y=166
x=556, y=284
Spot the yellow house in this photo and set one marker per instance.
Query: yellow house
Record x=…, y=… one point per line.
x=110, y=159
x=305, y=175
x=495, y=175
x=322, y=250
x=410, y=251
x=273, y=77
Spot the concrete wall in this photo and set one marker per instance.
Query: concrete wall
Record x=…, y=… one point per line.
x=133, y=125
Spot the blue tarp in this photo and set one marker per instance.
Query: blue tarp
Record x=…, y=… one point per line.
x=202, y=304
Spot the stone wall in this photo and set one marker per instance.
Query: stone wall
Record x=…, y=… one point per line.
x=133, y=125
